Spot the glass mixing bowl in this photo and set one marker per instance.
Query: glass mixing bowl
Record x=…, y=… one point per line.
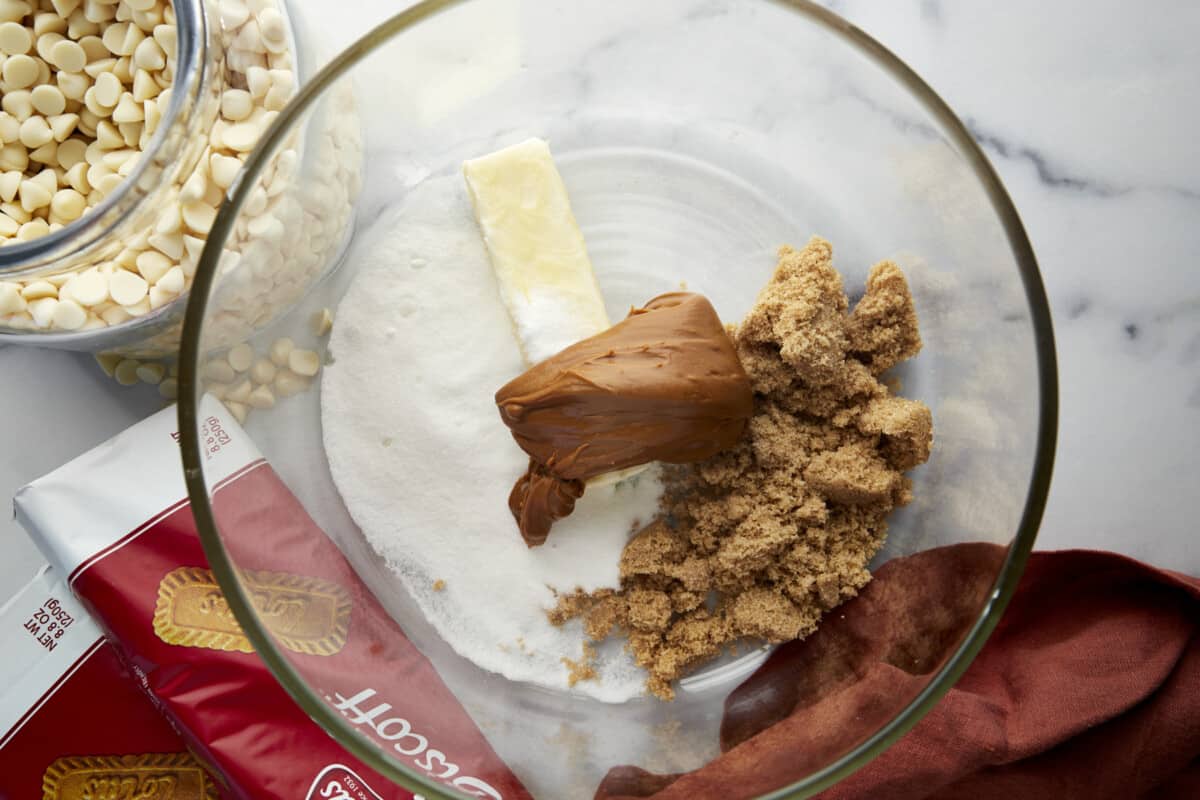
x=708, y=133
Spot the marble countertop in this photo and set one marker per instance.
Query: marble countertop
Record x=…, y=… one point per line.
x=1090, y=112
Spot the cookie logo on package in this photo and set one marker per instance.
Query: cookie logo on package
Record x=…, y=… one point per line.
x=153, y=776
x=339, y=782
x=306, y=614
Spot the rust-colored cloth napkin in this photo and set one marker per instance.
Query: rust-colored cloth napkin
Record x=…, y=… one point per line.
x=1088, y=688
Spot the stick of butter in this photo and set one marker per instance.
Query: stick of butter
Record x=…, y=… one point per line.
x=538, y=254
x=536, y=247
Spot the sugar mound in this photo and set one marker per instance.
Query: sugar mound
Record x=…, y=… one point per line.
x=424, y=464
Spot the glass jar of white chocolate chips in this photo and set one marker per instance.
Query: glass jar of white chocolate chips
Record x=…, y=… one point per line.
x=122, y=125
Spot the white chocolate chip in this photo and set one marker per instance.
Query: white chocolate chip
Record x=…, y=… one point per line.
x=11, y=301
x=261, y=397
x=87, y=120
x=240, y=392
x=127, y=288
x=241, y=136
x=19, y=103
x=108, y=362
x=77, y=176
x=152, y=265
x=144, y=87
x=127, y=258
x=114, y=36
x=288, y=383
x=198, y=216
x=115, y=315
x=169, y=388
x=88, y=288
x=48, y=23
x=169, y=244
x=263, y=371
x=15, y=211
x=167, y=37
x=93, y=47
x=172, y=282
x=73, y=85
x=68, y=204
x=47, y=179
x=46, y=154
x=35, y=132
x=10, y=127
x=151, y=372
x=68, y=56
x=128, y=110
x=108, y=183
x=14, y=157
x=149, y=55
x=101, y=66
x=272, y=30
x=158, y=297
x=241, y=357
x=281, y=348
x=126, y=372
x=233, y=14
x=39, y=289
x=62, y=126
x=283, y=79
x=42, y=311
x=276, y=98
x=48, y=100
x=151, y=111
x=192, y=247
x=108, y=137
x=33, y=195
x=216, y=389
x=123, y=69
x=108, y=89
x=13, y=10
x=15, y=39
x=194, y=187
x=304, y=362
x=10, y=182
x=139, y=309
x=169, y=220
x=236, y=104
x=45, y=42
x=33, y=229
x=224, y=169
x=68, y=315
x=220, y=371
x=322, y=322
x=214, y=195
x=20, y=71
x=258, y=82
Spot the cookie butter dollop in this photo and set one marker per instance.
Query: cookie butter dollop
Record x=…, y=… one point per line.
x=664, y=384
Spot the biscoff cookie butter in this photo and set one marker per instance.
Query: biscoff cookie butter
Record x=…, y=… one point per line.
x=760, y=540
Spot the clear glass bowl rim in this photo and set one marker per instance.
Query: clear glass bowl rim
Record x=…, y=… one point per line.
x=1006, y=581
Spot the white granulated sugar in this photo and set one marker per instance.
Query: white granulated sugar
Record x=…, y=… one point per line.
x=424, y=464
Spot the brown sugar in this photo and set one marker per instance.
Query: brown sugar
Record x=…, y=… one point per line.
x=439, y=585
x=584, y=669
x=760, y=540
x=883, y=328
